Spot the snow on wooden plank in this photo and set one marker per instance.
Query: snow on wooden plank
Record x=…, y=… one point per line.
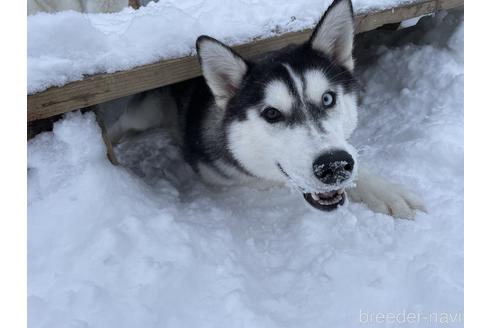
x=99, y=88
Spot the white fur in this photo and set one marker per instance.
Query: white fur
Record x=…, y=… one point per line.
x=316, y=85
x=222, y=69
x=383, y=197
x=278, y=96
x=342, y=119
x=335, y=34
x=249, y=141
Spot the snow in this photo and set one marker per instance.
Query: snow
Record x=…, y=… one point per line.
x=153, y=247
x=65, y=46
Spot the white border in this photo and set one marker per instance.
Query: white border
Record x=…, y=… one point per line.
x=478, y=164
x=478, y=139
x=13, y=166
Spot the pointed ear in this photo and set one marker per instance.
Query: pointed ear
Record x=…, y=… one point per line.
x=222, y=68
x=334, y=34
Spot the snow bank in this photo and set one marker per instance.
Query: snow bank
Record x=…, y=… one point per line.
x=106, y=249
x=62, y=47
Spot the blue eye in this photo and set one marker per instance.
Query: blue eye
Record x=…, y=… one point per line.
x=328, y=99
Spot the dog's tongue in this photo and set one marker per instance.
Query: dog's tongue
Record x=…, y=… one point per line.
x=328, y=194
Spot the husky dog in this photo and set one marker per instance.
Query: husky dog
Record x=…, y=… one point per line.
x=285, y=118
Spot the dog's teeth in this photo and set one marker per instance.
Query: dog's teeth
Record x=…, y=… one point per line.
x=315, y=197
x=334, y=200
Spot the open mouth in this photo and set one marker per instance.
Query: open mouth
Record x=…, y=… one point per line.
x=326, y=201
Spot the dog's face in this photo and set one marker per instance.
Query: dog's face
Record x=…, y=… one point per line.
x=288, y=116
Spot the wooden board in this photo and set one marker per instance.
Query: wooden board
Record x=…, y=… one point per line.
x=99, y=88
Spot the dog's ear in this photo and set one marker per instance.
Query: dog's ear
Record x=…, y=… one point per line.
x=222, y=68
x=334, y=34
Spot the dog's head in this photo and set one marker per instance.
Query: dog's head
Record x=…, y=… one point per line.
x=289, y=114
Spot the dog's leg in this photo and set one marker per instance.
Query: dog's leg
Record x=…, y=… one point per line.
x=144, y=111
x=383, y=197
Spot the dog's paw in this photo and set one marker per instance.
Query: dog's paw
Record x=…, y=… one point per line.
x=383, y=197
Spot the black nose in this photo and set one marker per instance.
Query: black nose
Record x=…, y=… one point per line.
x=333, y=167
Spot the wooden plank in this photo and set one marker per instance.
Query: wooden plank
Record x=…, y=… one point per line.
x=99, y=88
x=135, y=4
